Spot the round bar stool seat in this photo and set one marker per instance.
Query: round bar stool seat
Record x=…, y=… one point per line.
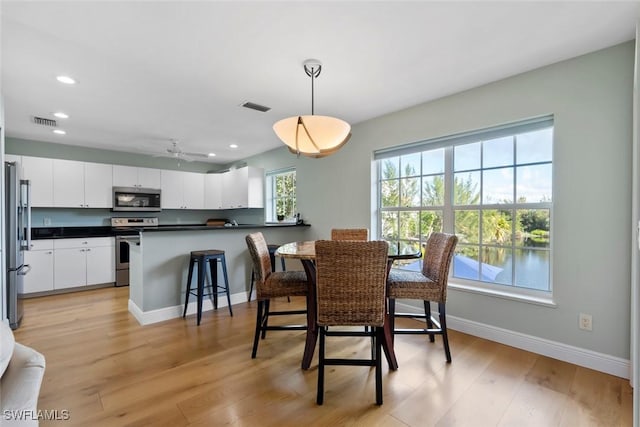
x=201, y=259
x=272, y=255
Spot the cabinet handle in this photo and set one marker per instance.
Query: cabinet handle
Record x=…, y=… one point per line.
x=88, y=250
x=49, y=252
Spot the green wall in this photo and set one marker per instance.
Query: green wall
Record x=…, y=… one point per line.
x=591, y=99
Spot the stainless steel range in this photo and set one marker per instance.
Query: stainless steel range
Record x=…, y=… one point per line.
x=123, y=242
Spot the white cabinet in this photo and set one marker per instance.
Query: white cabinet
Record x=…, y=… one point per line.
x=243, y=188
x=193, y=193
x=182, y=190
x=70, y=268
x=171, y=185
x=40, y=172
x=213, y=191
x=101, y=266
x=149, y=178
x=68, y=184
x=125, y=176
x=81, y=185
x=80, y=262
x=40, y=260
x=131, y=176
x=98, y=185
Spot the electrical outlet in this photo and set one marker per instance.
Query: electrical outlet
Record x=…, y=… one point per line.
x=46, y=221
x=585, y=322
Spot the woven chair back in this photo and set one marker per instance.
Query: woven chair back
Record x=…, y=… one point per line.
x=259, y=256
x=437, y=257
x=351, y=279
x=350, y=234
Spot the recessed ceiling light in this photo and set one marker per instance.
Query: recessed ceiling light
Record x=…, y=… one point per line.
x=211, y=154
x=61, y=115
x=59, y=132
x=66, y=80
x=233, y=145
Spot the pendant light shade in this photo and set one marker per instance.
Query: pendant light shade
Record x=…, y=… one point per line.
x=313, y=136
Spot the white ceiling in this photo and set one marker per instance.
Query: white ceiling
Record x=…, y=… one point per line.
x=149, y=71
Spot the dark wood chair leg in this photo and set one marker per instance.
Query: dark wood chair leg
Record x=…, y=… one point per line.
x=427, y=315
x=320, y=396
x=378, y=360
x=443, y=326
x=265, y=321
x=392, y=318
x=256, y=337
x=253, y=278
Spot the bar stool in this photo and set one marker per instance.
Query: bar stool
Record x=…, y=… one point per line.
x=202, y=258
x=272, y=255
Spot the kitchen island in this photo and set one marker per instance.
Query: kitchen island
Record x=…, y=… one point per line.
x=158, y=264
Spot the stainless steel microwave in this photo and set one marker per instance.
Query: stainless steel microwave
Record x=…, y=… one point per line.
x=134, y=199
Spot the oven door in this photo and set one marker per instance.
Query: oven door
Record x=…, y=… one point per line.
x=122, y=258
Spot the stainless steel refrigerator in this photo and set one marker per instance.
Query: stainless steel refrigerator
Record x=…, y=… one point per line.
x=18, y=239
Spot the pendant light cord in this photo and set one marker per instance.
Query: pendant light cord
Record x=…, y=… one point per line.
x=313, y=72
x=312, y=92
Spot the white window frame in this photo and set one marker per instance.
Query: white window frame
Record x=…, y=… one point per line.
x=271, y=198
x=541, y=297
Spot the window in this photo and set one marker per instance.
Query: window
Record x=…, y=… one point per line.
x=281, y=195
x=492, y=188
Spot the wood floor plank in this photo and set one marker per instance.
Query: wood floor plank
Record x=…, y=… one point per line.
x=488, y=398
x=107, y=370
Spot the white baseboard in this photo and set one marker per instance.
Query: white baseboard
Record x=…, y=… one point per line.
x=168, y=313
x=578, y=356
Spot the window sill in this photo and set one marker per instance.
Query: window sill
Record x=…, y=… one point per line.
x=529, y=299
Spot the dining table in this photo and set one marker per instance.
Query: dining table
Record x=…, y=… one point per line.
x=306, y=253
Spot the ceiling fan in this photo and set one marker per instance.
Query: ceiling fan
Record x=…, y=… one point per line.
x=176, y=152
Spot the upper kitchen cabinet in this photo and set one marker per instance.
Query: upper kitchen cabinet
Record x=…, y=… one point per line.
x=68, y=184
x=39, y=171
x=81, y=185
x=243, y=188
x=213, y=191
x=182, y=190
x=97, y=185
x=131, y=176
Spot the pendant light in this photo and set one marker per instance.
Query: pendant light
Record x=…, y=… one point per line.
x=313, y=136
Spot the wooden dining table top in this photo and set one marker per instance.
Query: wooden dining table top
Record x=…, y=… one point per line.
x=298, y=250
x=307, y=250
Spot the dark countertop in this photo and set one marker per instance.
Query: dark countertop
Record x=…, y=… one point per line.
x=39, y=233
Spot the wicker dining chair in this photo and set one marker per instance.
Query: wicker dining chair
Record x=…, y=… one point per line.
x=427, y=285
x=270, y=285
x=351, y=291
x=350, y=234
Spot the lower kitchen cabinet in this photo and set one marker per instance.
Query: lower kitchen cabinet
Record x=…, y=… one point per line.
x=82, y=262
x=40, y=259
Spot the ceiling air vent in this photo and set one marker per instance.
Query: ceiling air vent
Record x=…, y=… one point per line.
x=254, y=106
x=44, y=122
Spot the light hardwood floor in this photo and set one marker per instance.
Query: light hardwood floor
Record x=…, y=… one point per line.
x=107, y=370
